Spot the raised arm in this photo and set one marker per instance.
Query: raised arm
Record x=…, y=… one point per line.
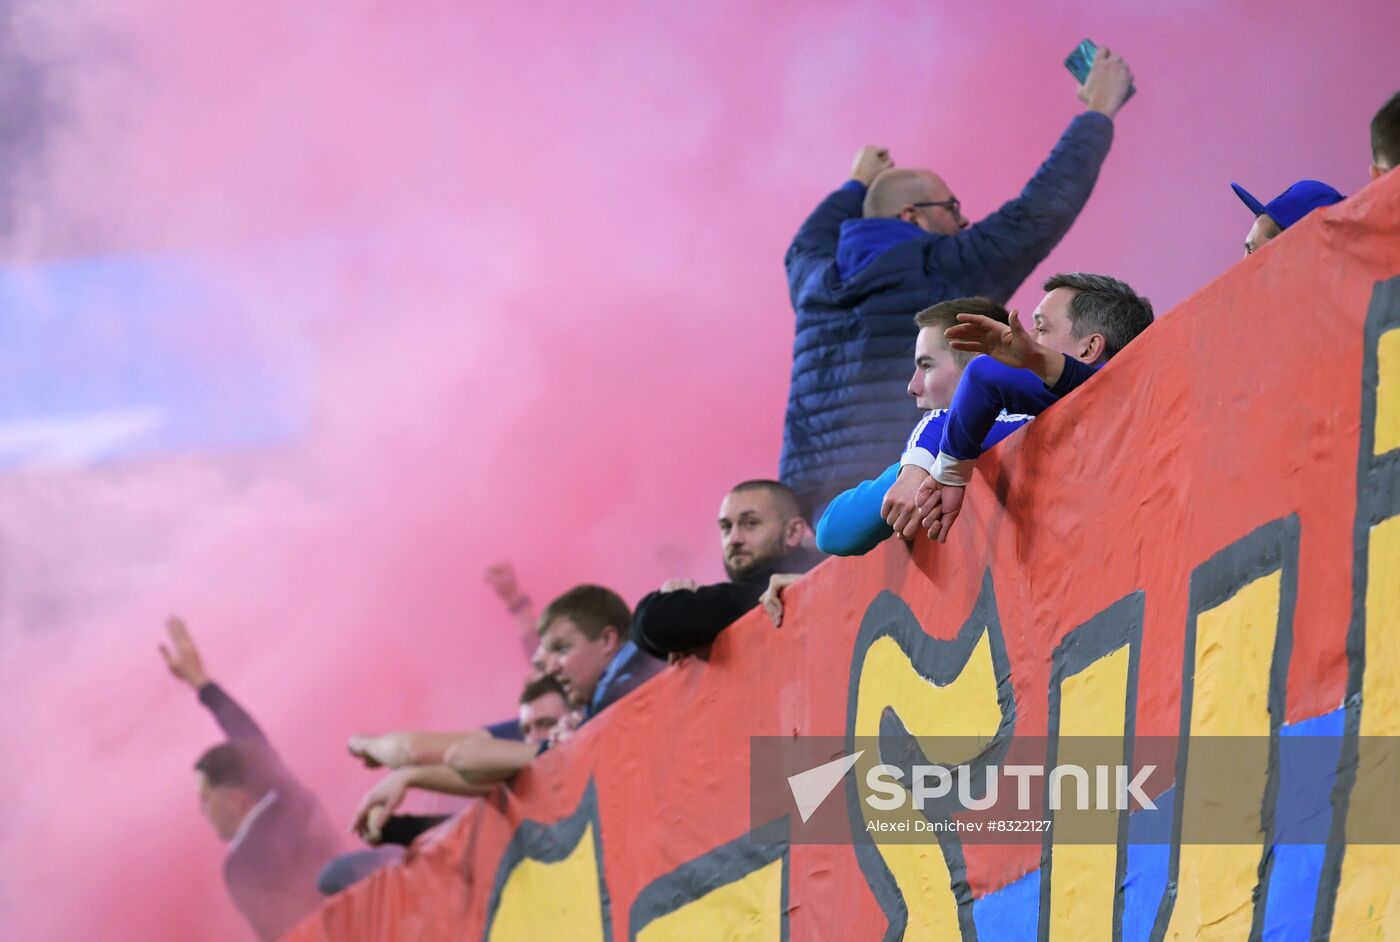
x=487, y=762
x=815, y=243
x=995, y=255
x=182, y=657
x=507, y=587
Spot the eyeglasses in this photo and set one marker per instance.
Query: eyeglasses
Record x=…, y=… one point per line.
x=952, y=205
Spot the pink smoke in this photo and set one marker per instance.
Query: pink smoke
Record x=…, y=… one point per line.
x=532, y=258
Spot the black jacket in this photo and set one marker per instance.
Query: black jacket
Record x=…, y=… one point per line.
x=671, y=622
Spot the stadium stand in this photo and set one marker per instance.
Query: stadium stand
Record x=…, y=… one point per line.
x=1218, y=559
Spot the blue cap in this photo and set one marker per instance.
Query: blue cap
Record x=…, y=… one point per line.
x=1293, y=203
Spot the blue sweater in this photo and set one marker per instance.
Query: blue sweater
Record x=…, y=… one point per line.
x=852, y=525
x=856, y=284
x=987, y=389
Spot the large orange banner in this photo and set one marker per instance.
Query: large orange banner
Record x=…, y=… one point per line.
x=1202, y=541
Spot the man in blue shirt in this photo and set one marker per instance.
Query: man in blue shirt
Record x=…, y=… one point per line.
x=861, y=518
x=1081, y=323
x=584, y=649
x=583, y=638
x=894, y=241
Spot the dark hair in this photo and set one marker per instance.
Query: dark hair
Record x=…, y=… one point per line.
x=1385, y=134
x=1103, y=305
x=944, y=314
x=235, y=764
x=592, y=608
x=541, y=687
x=784, y=499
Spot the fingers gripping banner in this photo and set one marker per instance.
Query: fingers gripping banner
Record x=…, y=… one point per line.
x=1202, y=542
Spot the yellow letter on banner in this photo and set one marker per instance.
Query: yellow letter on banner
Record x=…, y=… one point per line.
x=1387, y=427
x=1239, y=640
x=736, y=891
x=552, y=900
x=938, y=690
x=1368, y=898
x=748, y=910
x=1090, y=705
x=548, y=883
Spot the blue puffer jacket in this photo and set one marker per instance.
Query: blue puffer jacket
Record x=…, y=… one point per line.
x=856, y=284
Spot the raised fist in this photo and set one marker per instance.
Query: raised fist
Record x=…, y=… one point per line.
x=869, y=162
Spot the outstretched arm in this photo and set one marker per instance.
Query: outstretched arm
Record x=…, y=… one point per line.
x=486, y=762
x=503, y=580
x=182, y=657
x=995, y=255
x=385, y=797
x=408, y=747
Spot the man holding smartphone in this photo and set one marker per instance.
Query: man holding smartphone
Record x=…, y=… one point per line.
x=891, y=242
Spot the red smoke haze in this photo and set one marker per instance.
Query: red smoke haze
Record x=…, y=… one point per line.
x=529, y=259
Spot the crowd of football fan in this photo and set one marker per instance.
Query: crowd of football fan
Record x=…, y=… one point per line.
x=886, y=265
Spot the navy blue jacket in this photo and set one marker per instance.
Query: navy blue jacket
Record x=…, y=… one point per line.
x=856, y=284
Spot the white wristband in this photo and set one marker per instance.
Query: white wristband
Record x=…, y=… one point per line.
x=919, y=458
x=955, y=472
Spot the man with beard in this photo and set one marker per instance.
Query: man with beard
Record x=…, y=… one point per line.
x=761, y=534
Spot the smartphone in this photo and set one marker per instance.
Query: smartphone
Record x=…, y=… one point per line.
x=1082, y=59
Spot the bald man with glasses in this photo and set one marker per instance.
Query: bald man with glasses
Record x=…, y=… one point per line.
x=893, y=241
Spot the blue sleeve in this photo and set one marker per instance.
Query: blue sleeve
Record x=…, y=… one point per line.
x=987, y=387
x=1002, y=427
x=994, y=256
x=852, y=525
x=922, y=447
x=814, y=246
